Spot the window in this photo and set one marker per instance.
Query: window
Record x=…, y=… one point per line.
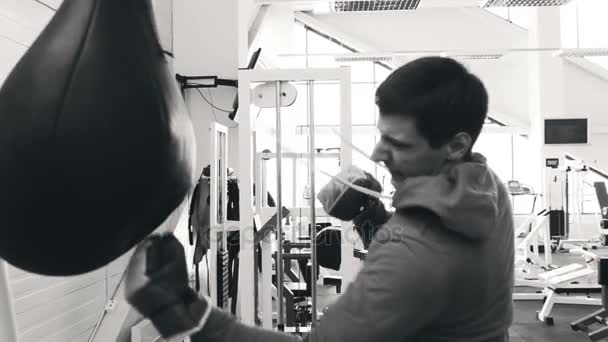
x=584, y=25
x=497, y=148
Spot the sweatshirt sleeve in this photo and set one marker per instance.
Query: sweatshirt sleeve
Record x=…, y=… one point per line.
x=395, y=296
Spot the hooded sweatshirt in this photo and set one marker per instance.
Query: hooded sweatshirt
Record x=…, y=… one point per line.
x=440, y=269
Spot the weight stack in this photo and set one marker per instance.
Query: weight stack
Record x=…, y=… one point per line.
x=557, y=224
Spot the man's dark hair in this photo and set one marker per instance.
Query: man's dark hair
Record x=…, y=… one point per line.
x=440, y=94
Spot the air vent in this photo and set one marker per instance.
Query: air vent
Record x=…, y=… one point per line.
x=364, y=59
x=525, y=3
x=375, y=6
x=582, y=52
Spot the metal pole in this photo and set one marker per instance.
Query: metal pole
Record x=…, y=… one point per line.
x=8, y=325
x=279, y=260
x=313, y=219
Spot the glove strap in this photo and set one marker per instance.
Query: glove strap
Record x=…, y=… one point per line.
x=179, y=318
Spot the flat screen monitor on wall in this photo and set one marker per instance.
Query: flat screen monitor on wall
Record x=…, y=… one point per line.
x=566, y=131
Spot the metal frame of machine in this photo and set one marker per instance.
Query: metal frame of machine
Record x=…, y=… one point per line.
x=246, y=289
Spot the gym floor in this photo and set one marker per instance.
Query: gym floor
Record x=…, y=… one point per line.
x=526, y=328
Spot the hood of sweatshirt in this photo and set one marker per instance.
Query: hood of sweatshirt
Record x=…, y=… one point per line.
x=465, y=195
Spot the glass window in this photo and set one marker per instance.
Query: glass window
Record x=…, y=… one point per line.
x=590, y=204
x=523, y=159
x=363, y=107
x=299, y=38
x=381, y=72
x=327, y=104
x=569, y=30
x=584, y=25
x=496, y=147
x=361, y=72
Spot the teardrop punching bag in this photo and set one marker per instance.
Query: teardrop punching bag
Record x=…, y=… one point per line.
x=96, y=146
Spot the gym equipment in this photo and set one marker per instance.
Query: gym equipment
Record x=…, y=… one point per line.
x=532, y=230
x=599, y=317
x=157, y=287
x=567, y=182
x=602, y=198
x=563, y=283
x=96, y=146
x=247, y=167
x=538, y=272
x=297, y=289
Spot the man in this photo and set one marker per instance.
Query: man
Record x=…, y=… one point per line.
x=440, y=269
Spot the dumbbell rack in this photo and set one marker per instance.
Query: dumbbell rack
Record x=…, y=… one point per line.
x=599, y=317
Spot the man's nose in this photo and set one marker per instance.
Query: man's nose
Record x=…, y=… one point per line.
x=379, y=154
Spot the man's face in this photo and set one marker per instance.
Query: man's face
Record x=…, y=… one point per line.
x=404, y=151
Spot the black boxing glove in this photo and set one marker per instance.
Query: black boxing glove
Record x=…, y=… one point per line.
x=157, y=287
x=369, y=220
x=342, y=201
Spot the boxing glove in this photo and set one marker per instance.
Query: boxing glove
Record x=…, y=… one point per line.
x=369, y=220
x=157, y=287
x=342, y=201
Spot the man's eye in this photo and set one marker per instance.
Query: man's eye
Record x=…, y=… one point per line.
x=398, y=144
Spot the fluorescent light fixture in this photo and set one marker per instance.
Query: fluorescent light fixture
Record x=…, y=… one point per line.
x=363, y=58
x=375, y=5
x=582, y=52
x=524, y=3
x=479, y=56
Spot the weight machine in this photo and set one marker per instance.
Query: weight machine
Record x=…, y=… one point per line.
x=554, y=284
x=274, y=93
x=565, y=183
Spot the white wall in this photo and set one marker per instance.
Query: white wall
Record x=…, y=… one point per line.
x=586, y=94
x=20, y=23
x=211, y=40
x=58, y=309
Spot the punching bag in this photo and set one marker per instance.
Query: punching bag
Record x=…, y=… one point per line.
x=96, y=146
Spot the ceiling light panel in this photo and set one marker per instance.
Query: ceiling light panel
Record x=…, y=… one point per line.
x=525, y=3
x=485, y=56
x=582, y=52
x=375, y=6
x=349, y=59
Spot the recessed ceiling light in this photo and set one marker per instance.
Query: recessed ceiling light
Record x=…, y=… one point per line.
x=582, y=52
x=364, y=59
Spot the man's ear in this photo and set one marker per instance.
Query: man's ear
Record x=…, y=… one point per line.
x=459, y=146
